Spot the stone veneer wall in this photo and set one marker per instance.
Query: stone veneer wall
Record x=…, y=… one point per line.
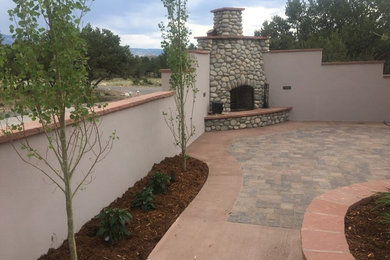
x=235, y=60
x=235, y=123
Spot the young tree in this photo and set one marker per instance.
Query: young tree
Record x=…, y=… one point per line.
x=49, y=82
x=182, y=81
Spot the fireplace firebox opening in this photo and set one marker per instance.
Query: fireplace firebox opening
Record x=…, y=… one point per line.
x=242, y=98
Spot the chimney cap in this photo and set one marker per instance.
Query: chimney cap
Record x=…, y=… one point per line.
x=227, y=9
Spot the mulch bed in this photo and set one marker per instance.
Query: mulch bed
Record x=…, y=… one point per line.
x=146, y=228
x=367, y=236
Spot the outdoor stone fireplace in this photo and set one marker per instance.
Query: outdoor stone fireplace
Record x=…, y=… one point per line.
x=236, y=62
x=237, y=78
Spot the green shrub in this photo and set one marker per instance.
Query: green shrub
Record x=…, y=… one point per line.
x=146, y=81
x=159, y=182
x=136, y=81
x=144, y=200
x=112, y=226
x=384, y=200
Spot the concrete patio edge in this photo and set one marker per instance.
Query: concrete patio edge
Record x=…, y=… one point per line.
x=322, y=231
x=203, y=231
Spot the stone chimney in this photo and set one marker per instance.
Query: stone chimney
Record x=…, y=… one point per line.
x=228, y=21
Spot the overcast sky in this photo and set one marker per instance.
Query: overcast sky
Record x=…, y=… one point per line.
x=136, y=21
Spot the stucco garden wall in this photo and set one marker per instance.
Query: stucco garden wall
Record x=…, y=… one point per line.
x=32, y=210
x=335, y=91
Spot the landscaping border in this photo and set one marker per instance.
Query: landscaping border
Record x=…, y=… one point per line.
x=322, y=232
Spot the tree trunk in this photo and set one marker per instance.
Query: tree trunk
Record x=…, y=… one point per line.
x=69, y=214
x=181, y=94
x=68, y=188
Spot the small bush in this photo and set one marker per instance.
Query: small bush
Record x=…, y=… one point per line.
x=159, y=182
x=112, y=226
x=144, y=200
x=136, y=81
x=384, y=200
x=146, y=81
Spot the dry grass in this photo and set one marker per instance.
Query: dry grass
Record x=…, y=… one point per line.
x=130, y=82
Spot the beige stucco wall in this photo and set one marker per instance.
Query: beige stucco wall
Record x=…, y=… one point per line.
x=327, y=92
x=32, y=210
x=202, y=81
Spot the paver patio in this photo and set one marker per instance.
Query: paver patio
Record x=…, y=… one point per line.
x=260, y=182
x=283, y=172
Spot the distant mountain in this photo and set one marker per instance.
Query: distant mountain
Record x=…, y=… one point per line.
x=7, y=39
x=145, y=52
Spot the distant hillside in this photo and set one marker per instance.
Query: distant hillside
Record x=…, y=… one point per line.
x=7, y=39
x=135, y=51
x=146, y=52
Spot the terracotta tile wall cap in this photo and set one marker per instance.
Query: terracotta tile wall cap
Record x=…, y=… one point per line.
x=164, y=70
x=234, y=37
x=227, y=9
x=354, y=62
x=296, y=50
x=33, y=127
x=199, y=51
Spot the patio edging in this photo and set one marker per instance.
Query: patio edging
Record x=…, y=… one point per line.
x=322, y=232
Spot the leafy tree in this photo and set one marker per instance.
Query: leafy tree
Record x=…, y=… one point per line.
x=296, y=16
x=182, y=80
x=280, y=32
x=333, y=45
x=148, y=65
x=106, y=57
x=50, y=79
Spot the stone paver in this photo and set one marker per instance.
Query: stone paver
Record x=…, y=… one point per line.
x=283, y=172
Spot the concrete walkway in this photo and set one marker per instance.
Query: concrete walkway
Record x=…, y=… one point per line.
x=208, y=228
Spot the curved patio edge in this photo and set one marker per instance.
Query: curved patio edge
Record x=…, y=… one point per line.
x=322, y=232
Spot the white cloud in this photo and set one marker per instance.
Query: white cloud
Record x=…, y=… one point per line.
x=152, y=40
x=253, y=17
x=198, y=30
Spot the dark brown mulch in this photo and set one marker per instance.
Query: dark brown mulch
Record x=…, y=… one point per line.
x=368, y=237
x=146, y=228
